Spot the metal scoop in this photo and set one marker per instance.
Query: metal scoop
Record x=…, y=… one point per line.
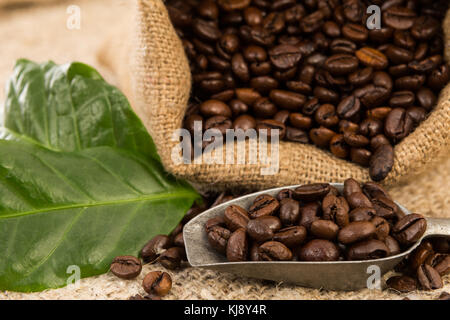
x=339, y=275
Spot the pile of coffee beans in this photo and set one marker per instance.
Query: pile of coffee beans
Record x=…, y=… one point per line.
x=316, y=223
x=313, y=70
x=423, y=268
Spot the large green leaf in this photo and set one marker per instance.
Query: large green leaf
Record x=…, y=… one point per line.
x=76, y=189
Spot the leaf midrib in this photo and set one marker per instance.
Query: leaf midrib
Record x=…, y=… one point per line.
x=162, y=196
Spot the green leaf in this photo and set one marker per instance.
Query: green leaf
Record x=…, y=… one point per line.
x=70, y=108
x=78, y=192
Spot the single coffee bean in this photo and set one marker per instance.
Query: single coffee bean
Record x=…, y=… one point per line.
x=336, y=208
x=312, y=192
x=172, y=258
x=356, y=140
x=212, y=108
x=385, y=207
x=382, y=162
x=325, y=229
x=371, y=127
x=291, y=236
x=401, y=18
x=264, y=108
x=349, y=107
x=300, y=121
x=393, y=246
x=285, y=194
x=274, y=251
x=285, y=56
x=213, y=222
x=232, y=5
x=410, y=229
x=287, y=100
x=378, y=141
x=356, y=232
x=402, y=284
x=429, y=278
x=271, y=128
x=358, y=200
x=319, y=250
x=274, y=223
x=368, y=250
x=360, y=156
x=426, y=98
x=289, y=211
x=236, y=217
x=244, y=122
x=296, y=135
x=338, y=146
x=420, y=255
x=219, y=123
x=341, y=64
x=126, y=267
x=372, y=58
x=218, y=238
x=321, y=137
x=259, y=231
x=374, y=190
x=157, y=282
x=237, y=247
x=355, y=32
x=382, y=228
x=264, y=205
x=309, y=213
x=326, y=116
x=440, y=262
x=155, y=247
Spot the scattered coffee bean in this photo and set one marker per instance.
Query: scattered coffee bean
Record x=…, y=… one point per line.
x=126, y=267
x=157, y=282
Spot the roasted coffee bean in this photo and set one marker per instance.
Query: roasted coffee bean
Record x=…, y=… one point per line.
x=426, y=98
x=219, y=123
x=356, y=140
x=237, y=246
x=372, y=58
x=356, y=232
x=371, y=127
x=374, y=190
x=259, y=231
x=296, y=135
x=362, y=214
x=291, y=236
x=429, y=278
x=368, y=250
x=244, y=122
x=412, y=83
x=355, y=32
x=274, y=223
x=236, y=217
x=157, y=282
x=155, y=247
x=336, y=208
x=172, y=258
x=361, y=156
x=312, y=192
x=212, y=108
x=393, y=246
x=410, y=229
x=300, y=121
x=232, y=5
x=289, y=211
x=420, y=255
x=401, y=18
x=287, y=100
x=358, y=200
x=385, y=207
x=402, y=284
x=240, y=67
x=381, y=162
x=126, y=267
x=321, y=137
x=264, y=84
x=379, y=113
x=264, y=108
x=274, y=251
x=216, y=221
x=440, y=262
x=218, y=238
x=285, y=56
x=264, y=205
x=382, y=228
x=378, y=141
x=341, y=64
x=338, y=147
x=324, y=229
x=326, y=116
x=319, y=250
x=285, y=194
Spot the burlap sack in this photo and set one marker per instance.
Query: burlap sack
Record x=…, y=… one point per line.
x=158, y=80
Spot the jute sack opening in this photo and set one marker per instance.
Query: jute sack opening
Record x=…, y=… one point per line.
x=157, y=79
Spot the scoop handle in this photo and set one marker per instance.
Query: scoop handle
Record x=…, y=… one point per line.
x=438, y=227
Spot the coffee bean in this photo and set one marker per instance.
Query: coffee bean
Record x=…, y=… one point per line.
x=402, y=284
x=355, y=140
x=299, y=121
x=361, y=77
x=321, y=137
x=368, y=250
x=157, y=282
x=264, y=108
x=440, y=262
x=244, y=122
x=312, y=192
x=338, y=147
x=285, y=56
x=382, y=228
x=274, y=251
x=232, y=5
x=309, y=213
x=289, y=211
x=358, y=200
x=382, y=162
x=271, y=128
x=259, y=231
x=401, y=18
x=296, y=135
x=336, y=209
x=287, y=100
x=341, y=64
x=172, y=258
x=237, y=246
x=218, y=238
x=410, y=229
x=325, y=229
x=385, y=207
x=355, y=32
x=291, y=236
x=264, y=205
x=393, y=246
x=372, y=58
x=126, y=267
x=155, y=247
x=429, y=278
x=356, y=232
x=212, y=108
x=319, y=250
x=236, y=217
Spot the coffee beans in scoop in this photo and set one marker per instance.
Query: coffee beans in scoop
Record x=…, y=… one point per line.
x=315, y=71
x=316, y=222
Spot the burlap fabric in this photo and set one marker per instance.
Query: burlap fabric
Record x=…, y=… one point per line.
x=428, y=193
x=159, y=82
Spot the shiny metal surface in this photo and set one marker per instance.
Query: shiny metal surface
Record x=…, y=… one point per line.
x=339, y=275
